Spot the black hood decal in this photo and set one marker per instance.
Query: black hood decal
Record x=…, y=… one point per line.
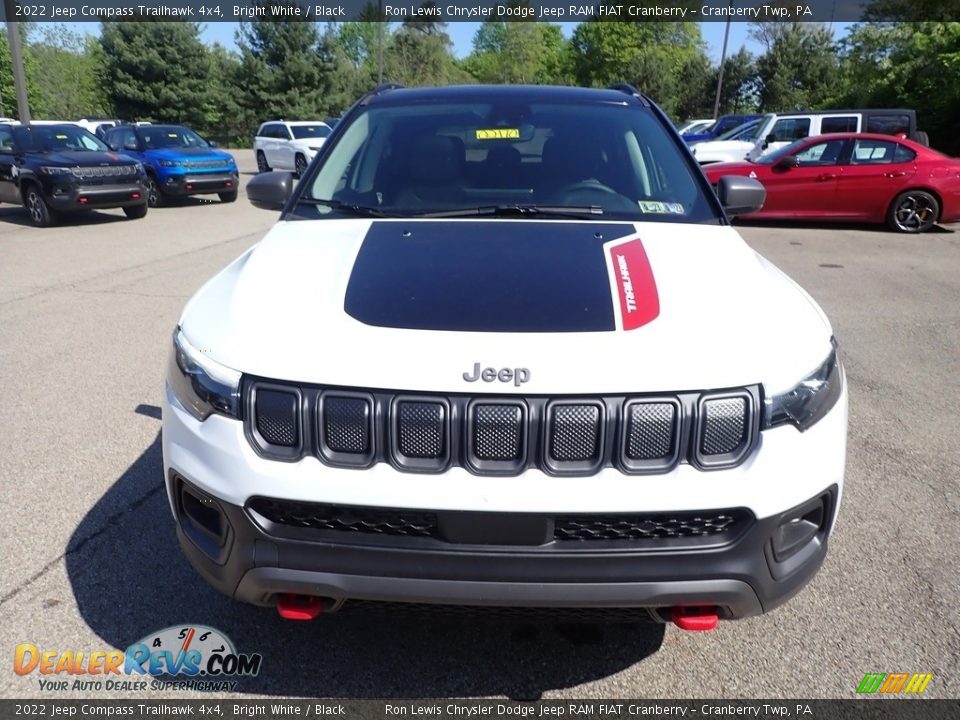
x=494, y=276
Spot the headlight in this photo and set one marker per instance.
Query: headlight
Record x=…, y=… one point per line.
x=201, y=385
x=315, y=149
x=54, y=170
x=812, y=398
x=169, y=163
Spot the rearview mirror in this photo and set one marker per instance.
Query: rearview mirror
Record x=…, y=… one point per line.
x=270, y=190
x=740, y=195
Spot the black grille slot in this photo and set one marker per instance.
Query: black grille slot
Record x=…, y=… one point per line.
x=498, y=432
x=651, y=431
x=724, y=425
x=575, y=433
x=277, y=417
x=587, y=528
x=344, y=518
x=346, y=424
x=420, y=429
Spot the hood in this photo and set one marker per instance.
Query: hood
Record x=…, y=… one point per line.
x=189, y=154
x=582, y=306
x=308, y=142
x=83, y=158
x=723, y=145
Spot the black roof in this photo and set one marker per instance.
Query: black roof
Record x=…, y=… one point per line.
x=486, y=93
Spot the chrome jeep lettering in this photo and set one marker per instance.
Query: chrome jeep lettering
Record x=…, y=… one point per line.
x=518, y=376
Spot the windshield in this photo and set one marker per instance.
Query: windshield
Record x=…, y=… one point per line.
x=303, y=132
x=53, y=138
x=170, y=136
x=508, y=154
x=749, y=131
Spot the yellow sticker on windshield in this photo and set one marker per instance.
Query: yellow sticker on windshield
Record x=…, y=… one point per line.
x=172, y=135
x=498, y=134
x=61, y=136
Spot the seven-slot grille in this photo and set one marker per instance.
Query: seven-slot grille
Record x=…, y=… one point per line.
x=202, y=164
x=502, y=436
x=103, y=171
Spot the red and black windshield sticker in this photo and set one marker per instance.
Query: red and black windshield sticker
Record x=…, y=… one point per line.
x=633, y=284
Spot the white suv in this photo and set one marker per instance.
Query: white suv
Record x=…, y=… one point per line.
x=486, y=359
x=286, y=145
x=777, y=130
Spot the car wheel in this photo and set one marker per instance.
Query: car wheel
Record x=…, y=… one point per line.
x=262, y=162
x=300, y=163
x=914, y=211
x=154, y=194
x=135, y=212
x=228, y=196
x=40, y=213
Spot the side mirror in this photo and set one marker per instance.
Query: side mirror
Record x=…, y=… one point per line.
x=132, y=147
x=740, y=195
x=113, y=146
x=788, y=163
x=211, y=143
x=270, y=190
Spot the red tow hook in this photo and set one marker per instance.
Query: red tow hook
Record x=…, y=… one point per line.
x=299, y=607
x=695, y=619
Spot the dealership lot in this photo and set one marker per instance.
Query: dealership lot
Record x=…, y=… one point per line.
x=86, y=311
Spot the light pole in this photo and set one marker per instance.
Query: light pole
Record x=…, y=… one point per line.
x=380, y=41
x=723, y=62
x=16, y=59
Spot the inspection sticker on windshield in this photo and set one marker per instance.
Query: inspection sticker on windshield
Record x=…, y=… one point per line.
x=171, y=135
x=655, y=207
x=498, y=133
x=61, y=136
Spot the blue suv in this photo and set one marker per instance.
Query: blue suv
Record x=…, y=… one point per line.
x=724, y=125
x=178, y=162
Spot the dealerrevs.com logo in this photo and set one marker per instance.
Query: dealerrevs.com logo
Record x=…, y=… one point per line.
x=186, y=657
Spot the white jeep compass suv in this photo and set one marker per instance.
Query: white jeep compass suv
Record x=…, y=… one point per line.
x=484, y=358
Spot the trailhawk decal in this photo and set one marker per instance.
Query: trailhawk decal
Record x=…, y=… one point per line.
x=486, y=276
x=632, y=283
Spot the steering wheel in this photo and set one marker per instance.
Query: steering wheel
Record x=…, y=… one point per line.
x=587, y=185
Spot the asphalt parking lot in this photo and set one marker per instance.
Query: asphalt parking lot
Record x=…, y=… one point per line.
x=90, y=560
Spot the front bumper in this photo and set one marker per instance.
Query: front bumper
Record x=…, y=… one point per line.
x=200, y=183
x=254, y=560
x=66, y=198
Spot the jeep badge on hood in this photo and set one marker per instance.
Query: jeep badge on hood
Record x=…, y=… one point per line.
x=518, y=375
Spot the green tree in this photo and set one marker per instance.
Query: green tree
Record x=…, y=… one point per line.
x=419, y=54
x=740, y=91
x=666, y=60
x=799, y=68
x=518, y=52
x=68, y=74
x=911, y=64
x=8, y=95
x=157, y=71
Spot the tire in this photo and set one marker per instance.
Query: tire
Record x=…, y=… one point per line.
x=913, y=211
x=300, y=165
x=226, y=197
x=262, y=162
x=921, y=137
x=40, y=213
x=135, y=212
x=155, y=197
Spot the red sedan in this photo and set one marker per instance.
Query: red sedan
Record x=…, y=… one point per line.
x=856, y=177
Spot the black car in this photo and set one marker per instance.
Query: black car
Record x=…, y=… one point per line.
x=54, y=169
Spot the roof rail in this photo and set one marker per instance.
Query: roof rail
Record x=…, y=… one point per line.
x=383, y=87
x=628, y=89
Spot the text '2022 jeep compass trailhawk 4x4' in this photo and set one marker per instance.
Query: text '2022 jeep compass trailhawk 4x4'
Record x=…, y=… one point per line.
x=485, y=358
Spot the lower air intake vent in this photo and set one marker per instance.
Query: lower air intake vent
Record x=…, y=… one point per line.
x=277, y=417
x=344, y=518
x=643, y=527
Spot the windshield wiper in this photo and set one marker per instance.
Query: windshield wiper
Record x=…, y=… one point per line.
x=350, y=208
x=566, y=211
